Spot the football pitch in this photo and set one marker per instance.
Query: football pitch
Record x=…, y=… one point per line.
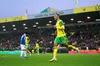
x=43, y=60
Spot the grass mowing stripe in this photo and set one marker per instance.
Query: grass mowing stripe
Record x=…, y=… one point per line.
x=43, y=60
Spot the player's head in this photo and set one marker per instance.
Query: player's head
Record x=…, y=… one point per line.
x=26, y=33
x=56, y=16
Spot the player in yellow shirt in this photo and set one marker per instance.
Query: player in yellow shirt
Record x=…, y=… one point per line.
x=27, y=40
x=61, y=36
x=37, y=48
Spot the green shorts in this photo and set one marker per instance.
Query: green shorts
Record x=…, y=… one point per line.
x=37, y=49
x=61, y=40
x=26, y=46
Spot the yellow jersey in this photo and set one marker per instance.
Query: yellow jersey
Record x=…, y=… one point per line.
x=60, y=28
x=37, y=45
x=27, y=40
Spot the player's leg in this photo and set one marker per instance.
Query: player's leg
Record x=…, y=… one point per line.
x=27, y=49
x=74, y=48
x=37, y=50
x=22, y=52
x=70, y=46
x=25, y=55
x=54, y=52
x=29, y=52
x=55, y=48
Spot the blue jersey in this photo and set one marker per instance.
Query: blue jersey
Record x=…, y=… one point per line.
x=22, y=40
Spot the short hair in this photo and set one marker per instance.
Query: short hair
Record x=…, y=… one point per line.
x=57, y=14
x=25, y=32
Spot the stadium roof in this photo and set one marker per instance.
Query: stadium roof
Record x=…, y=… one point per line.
x=32, y=24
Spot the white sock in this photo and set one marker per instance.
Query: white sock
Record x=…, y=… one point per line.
x=25, y=54
x=77, y=49
x=54, y=57
x=21, y=53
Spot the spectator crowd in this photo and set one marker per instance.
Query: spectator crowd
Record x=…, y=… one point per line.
x=81, y=39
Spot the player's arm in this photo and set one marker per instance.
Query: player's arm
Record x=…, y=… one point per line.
x=28, y=39
x=61, y=25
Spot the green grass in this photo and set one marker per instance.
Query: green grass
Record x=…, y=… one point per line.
x=43, y=60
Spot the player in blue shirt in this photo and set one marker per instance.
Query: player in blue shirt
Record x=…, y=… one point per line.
x=23, y=46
